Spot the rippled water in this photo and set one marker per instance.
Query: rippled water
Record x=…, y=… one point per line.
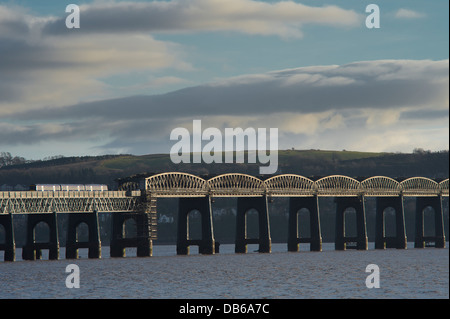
x=411, y=273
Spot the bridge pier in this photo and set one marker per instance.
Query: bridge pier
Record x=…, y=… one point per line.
x=434, y=202
x=93, y=244
x=207, y=242
x=244, y=204
x=342, y=203
x=33, y=250
x=381, y=241
x=9, y=247
x=143, y=240
x=315, y=239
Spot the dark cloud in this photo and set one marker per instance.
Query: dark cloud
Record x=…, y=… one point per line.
x=362, y=96
x=401, y=84
x=244, y=16
x=424, y=115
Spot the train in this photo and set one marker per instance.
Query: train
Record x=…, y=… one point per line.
x=68, y=187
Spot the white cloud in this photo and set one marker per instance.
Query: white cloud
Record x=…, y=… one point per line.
x=382, y=118
x=45, y=64
x=283, y=18
x=408, y=14
x=38, y=70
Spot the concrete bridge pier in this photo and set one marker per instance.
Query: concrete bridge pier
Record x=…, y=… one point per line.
x=315, y=239
x=142, y=240
x=9, y=246
x=33, y=250
x=400, y=240
x=207, y=242
x=342, y=203
x=73, y=244
x=244, y=204
x=421, y=240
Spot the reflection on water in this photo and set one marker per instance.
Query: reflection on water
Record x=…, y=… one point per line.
x=411, y=273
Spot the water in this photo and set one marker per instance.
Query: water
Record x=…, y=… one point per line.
x=411, y=273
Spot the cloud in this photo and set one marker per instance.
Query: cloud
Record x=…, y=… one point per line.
x=378, y=85
x=38, y=70
x=54, y=87
x=408, y=14
x=45, y=64
x=347, y=103
x=244, y=16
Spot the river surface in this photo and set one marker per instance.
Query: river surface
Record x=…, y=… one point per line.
x=410, y=273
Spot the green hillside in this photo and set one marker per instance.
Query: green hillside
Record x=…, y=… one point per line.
x=105, y=169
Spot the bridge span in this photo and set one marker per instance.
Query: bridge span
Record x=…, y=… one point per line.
x=196, y=193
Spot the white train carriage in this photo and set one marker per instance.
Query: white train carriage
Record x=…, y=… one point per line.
x=72, y=187
x=46, y=187
x=96, y=187
x=69, y=187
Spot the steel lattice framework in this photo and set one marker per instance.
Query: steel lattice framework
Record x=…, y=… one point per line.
x=444, y=187
x=338, y=185
x=68, y=202
x=288, y=185
x=236, y=185
x=381, y=186
x=176, y=185
x=420, y=186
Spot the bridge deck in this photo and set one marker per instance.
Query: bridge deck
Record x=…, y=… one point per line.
x=26, y=202
x=178, y=185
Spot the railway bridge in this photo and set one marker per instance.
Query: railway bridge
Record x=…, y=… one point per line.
x=196, y=193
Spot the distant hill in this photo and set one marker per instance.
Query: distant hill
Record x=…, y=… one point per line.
x=310, y=163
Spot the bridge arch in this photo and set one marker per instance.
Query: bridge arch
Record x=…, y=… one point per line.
x=129, y=227
x=288, y=185
x=176, y=184
x=444, y=187
x=380, y=186
x=82, y=231
x=420, y=186
x=236, y=185
x=2, y=234
x=41, y=232
x=338, y=185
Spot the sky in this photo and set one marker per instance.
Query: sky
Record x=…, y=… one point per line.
x=136, y=70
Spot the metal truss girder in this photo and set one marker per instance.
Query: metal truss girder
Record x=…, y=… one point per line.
x=381, y=186
x=420, y=186
x=289, y=185
x=66, y=202
x=236, y=185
